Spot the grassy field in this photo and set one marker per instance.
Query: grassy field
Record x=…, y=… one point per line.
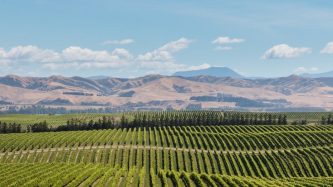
x=170, y=156
x=54, y=120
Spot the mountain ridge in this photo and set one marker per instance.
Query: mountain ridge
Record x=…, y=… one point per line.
x=168, y=91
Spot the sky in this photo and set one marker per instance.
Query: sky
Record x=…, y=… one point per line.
x=131, y=38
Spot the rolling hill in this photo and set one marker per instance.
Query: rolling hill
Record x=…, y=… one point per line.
x=165, y=92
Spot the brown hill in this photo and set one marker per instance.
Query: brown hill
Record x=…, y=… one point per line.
x=169, y=91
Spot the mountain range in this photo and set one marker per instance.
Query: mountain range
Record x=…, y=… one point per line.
x=227, y=72
x=184, y=90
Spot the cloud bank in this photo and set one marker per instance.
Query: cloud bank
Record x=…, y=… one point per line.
x=160, y=60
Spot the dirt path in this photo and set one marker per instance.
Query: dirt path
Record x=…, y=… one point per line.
x=152, y=147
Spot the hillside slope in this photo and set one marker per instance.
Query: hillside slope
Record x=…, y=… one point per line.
x=169, y=91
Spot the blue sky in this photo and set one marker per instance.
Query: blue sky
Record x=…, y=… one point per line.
x=131, y=38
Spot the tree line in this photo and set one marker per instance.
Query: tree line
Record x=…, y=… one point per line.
x=158, y=119
x=76, y=125
x=206, y=118
x=10, y=127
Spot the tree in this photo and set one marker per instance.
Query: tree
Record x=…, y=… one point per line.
x=329, y=119
x=124, y=121
x=284, y=120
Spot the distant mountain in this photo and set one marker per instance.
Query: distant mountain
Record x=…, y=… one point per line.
x=212, y=71
x=319, y=75
x=97, y=77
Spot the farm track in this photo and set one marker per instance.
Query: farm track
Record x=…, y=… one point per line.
x=157, y=148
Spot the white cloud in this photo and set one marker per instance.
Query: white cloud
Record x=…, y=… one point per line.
x=301, y=70
x=75, y=53
x=74, y=57
x=121, y=52
x=328, y=49
x=87, y=55
x=222, y=40
x=3, y=62
x=175, y=46
x=202, y=66
x=29, y=53
x=118, y=42
x=163, y=54
x=83, y=58
x=282, y=51
x=160, y=60
x=2, y=53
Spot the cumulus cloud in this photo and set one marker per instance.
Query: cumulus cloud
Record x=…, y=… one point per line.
x=83, y=54
x=328, y=49
x=118, y=42
x=222, y=40
x=301, y=70
x=83, y=58
x=29, y=53
x=283, y=51
x=70, y=57
x=160, y=60
x=164, y=54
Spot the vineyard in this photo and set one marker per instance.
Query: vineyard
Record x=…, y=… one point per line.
x=210, y=155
